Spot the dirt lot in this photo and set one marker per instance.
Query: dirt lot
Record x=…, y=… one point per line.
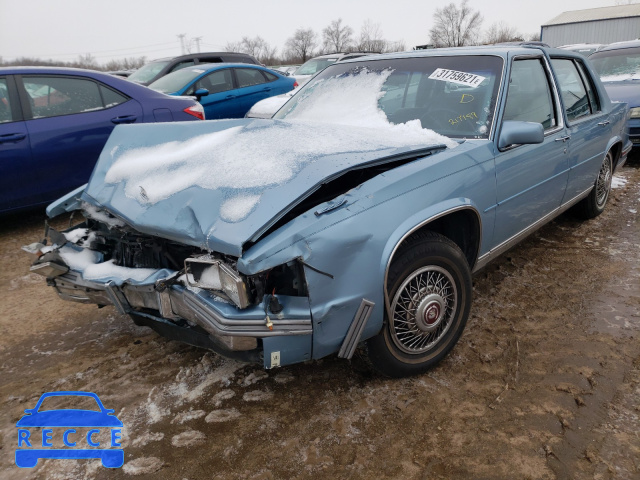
x=545, y=382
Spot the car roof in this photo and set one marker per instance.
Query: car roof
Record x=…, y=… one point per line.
x=502, y=50
x=18, y=70
x=190, y=56
x=215, y=66
x=620, y=45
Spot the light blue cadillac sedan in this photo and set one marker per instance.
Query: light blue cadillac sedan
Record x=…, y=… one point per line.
x=356, y=216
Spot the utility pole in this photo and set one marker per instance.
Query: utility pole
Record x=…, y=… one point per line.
x=197, y=40
x=181, y=37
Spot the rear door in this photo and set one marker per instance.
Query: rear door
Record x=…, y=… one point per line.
x=69, y=119
x=531, y=179
x=15, y=152
x=221, y=101
x=587, y=125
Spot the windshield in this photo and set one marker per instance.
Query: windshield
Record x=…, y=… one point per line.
x=176, y=81
x=617, y=65
x=315, y=65
x=148, y=72
x=454, y=96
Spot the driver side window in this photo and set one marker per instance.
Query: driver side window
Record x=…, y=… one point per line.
x=529, y=98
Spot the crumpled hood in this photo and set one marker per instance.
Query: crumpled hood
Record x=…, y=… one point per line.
x=218, y=184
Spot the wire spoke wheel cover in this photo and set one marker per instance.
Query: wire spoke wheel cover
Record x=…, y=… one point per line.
x=423, y=309
x=603, y=183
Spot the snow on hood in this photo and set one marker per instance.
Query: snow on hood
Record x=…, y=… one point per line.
x=214, y=184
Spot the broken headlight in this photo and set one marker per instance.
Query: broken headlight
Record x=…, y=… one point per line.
x=212, y=274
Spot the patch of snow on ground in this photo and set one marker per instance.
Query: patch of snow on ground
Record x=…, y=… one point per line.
x=618, y=181
x=253, y=377
x=148, y=437
x=142, y=466
x=257, y=396
x=188, y=415
x=219, y=416
x=221, y=396
x=188, y=438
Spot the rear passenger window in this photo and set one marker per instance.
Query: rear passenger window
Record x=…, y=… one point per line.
x=59, y=95
x=270, y=76
x=249, y=76
x=577, y=102
x=181, y=65
x=111, y=98
x=5, y=105
x=55, y=96
x=529, y=98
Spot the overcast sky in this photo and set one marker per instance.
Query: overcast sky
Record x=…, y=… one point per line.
x=114, y=29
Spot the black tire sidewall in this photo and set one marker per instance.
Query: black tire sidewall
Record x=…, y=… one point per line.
x=432, y=251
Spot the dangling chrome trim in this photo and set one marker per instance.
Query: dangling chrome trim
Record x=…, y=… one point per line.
x=354, y=334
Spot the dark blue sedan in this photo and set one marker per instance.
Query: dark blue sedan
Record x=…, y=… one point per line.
x=225, y=90
x=55, y=121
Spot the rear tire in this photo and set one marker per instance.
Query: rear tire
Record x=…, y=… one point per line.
x=430, y=288
x=594, y=204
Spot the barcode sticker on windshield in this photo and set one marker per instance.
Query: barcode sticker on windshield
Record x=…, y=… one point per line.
x=454, y=76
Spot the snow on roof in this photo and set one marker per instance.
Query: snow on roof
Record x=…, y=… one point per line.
x=595, y=14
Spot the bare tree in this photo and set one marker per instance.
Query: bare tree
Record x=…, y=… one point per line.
x=397, y=46
x=500, y=32
x=371, y=38
x=455, y=26
x=300, y=47
x=336, y=37
x=131, y=63
x=257, y=46
x=533, y=37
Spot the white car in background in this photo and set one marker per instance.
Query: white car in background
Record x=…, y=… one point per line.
x=269, y=106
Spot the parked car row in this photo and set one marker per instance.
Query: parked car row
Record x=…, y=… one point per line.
x=54, y=122
x=356, y=214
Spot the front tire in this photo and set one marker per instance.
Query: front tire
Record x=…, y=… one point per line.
x=594, y=204
x=429, y=285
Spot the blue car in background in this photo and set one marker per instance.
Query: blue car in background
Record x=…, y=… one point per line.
x=55, y=121
x=618, y=65
x=226, y=90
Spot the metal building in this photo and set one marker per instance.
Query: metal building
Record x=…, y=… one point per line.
x=595, y=25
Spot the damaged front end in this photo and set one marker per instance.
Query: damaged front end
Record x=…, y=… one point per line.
x=181, y=291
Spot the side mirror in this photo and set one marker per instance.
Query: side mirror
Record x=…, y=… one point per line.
x=201, y=92
x=520, y=133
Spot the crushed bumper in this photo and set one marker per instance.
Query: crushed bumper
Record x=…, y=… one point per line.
x=233, y=329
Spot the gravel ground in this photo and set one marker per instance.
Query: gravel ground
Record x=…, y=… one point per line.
x=544, y=383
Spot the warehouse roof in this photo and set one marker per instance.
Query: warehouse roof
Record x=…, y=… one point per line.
x=594, y=14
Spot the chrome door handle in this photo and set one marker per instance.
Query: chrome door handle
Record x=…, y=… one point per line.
x=606, y=122
x=563, y=139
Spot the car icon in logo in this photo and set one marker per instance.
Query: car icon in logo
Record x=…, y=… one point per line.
x=65, y=421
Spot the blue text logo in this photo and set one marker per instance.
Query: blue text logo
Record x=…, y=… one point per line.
x=69, y=433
